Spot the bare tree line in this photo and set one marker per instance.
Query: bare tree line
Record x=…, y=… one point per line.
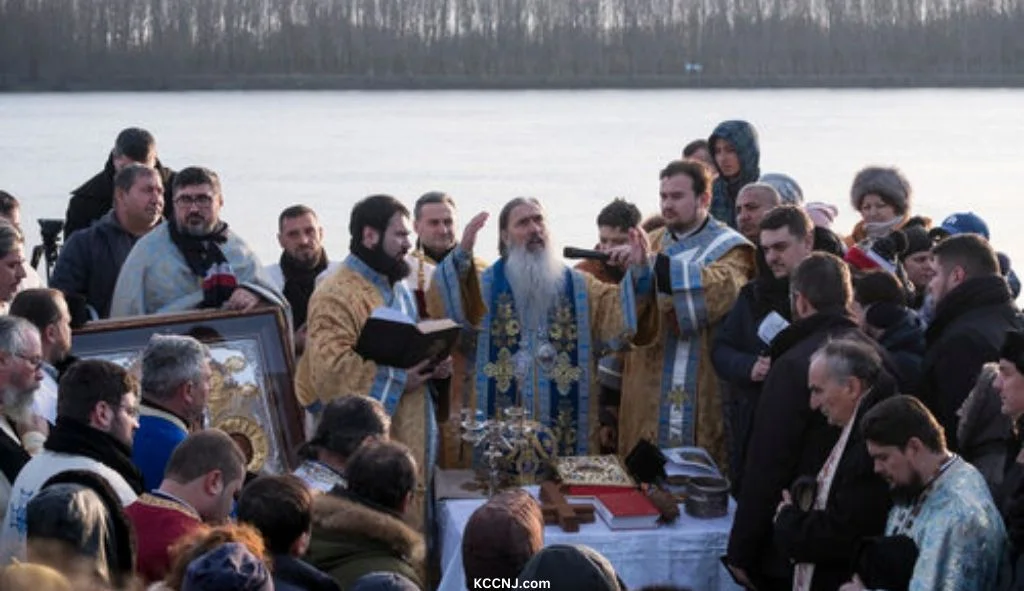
x=155, y=42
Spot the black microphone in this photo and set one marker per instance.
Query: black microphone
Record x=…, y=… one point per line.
x=582, y=253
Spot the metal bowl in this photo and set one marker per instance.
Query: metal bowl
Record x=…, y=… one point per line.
x=707, y=497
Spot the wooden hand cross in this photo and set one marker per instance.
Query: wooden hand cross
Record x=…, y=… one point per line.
x=557, y=510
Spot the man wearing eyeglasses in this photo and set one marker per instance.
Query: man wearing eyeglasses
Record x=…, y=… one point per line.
x=194, y=261
x=87, y=268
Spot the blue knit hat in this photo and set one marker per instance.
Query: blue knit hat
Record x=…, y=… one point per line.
x=230, y=567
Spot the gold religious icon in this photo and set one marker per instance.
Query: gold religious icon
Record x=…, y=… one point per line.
x=250, y=437
x=564, y=374
x=593, y=470
x=502, y=370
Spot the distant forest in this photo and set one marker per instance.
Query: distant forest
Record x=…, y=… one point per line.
x=154, y=44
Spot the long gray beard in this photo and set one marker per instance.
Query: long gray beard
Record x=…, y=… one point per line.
x=537, y=280
x=18, y=403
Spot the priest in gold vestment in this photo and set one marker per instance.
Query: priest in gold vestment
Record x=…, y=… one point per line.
x=670, y=392
x=540, y=321
x=434, y=221
x=371, y=278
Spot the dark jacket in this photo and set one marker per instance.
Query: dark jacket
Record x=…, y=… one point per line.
x=904, y=341
x=968, y=328
x=735, y=349
x=788, y=440
x=95, y=197
x=351, y=539
x=984, y=430
x=857, y=508
x=736, y=346
x=724, y=191
x=1010, y=499
x=89, y=263
x=292, y=574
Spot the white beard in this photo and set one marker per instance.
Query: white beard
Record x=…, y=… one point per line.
x=18, y=403
x=537, y=280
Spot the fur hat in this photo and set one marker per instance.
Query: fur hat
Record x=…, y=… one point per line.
x=887, y=183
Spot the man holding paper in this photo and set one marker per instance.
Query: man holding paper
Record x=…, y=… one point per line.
x=369, y=281
x=540, y=321
x=762, y=310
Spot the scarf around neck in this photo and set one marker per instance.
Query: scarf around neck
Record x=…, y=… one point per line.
x=299, y=283
x=206, y=260
x=73, y=438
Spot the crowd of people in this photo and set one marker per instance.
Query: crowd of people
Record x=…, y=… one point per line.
x=862, y=392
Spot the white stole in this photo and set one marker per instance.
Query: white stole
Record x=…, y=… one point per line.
x=803, y=572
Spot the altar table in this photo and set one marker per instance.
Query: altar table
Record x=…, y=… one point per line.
x=685, y=553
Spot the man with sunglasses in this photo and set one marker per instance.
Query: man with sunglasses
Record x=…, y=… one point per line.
x=194, y=261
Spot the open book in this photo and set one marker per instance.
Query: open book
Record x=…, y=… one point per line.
x=392, y=339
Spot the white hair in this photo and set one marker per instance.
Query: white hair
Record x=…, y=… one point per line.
x=537, y=280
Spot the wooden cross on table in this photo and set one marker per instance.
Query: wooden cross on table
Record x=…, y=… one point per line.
x=557, y=510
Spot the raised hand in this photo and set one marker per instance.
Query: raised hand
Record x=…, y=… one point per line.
x=471, y=230
x=639, y=246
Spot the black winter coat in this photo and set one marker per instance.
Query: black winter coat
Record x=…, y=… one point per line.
x=904, y=341
x=968, y=329
x=788, y=440
x=857, y=508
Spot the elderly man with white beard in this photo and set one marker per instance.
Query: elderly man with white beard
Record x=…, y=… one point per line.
x=541, y=321
x=21, y=372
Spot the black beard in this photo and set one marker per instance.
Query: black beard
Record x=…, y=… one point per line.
x=394, y=269
x=906, y=494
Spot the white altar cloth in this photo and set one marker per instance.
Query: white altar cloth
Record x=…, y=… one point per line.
x=685, y=553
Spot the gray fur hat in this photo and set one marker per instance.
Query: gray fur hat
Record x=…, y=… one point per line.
x=886, y=182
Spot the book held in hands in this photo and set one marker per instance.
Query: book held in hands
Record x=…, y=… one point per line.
x=392, y=339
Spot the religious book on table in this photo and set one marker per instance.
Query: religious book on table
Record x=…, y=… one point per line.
x=627, y=509
x=392, y=339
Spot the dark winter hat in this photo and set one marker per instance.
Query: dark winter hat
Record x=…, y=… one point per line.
x=1013, y=349
x=885, y=314
x=787, y=188
x=917, y=240
x=572, y=568
x=230, y=566
x=502, y=535
x=875, y=287
x=887, y=183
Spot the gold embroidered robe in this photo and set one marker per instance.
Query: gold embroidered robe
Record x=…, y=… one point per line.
x=330, y=368
x=670, y=391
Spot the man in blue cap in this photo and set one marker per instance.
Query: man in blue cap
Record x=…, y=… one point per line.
x=971, y=223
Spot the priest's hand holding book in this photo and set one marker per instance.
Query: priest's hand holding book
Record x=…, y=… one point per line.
x=427, y=370
x=392, y=339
